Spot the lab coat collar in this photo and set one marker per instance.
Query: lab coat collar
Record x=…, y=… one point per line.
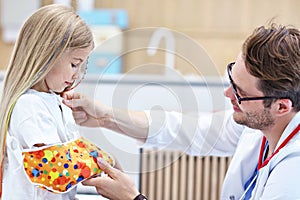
x=290, y=127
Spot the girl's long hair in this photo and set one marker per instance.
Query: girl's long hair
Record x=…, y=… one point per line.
x=45, y=35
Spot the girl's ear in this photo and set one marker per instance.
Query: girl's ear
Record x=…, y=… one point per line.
x=284, y=106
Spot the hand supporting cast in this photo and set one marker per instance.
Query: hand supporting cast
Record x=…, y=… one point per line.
x=116, y=186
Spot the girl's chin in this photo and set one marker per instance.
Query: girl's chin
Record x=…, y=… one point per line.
x=58, y=91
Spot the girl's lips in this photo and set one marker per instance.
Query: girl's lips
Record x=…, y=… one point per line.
x=69, y=84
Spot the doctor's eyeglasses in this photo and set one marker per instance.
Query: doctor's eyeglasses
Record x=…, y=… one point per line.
x=234, y=88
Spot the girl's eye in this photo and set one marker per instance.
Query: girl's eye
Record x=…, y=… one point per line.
x=73, y=65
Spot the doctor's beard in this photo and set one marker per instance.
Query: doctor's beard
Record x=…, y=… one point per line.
x=256, y=120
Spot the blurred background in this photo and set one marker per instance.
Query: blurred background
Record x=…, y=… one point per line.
x=219, y=26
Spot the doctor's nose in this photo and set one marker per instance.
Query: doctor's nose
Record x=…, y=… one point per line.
x=228, y=92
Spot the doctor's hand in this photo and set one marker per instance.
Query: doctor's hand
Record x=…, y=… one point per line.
x=86, y=111
x=115, y=186
x=93, y=113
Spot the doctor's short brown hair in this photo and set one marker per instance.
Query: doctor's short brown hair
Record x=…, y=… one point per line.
x=272, y=54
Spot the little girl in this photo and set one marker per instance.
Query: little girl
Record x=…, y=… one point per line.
x=49, y=57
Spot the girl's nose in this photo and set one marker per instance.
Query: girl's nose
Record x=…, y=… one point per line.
x=76, y=75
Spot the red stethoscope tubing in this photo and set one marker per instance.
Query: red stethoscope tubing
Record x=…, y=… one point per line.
x=262, y=163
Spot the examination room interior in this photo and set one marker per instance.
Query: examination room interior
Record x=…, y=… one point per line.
x=158, y=54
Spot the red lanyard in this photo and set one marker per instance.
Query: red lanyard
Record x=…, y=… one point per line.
x=262, y=164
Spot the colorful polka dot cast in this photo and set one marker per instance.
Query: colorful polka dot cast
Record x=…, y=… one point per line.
x=59, y=167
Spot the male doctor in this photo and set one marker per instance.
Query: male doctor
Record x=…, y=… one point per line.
x=261, y=133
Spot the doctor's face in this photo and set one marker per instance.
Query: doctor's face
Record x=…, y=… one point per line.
x=246, y=99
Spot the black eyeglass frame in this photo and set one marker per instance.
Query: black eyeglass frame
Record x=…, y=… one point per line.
x=237, y=96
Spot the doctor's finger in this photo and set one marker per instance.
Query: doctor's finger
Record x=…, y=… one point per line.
x=75, y=103
x=97, y=182
x=76, y=95
x=104, y=185
x=67, y=95
x=79, y=115
x=72, y=95
x=109, y=170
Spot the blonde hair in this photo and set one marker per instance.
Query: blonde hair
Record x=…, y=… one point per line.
x=45, y=35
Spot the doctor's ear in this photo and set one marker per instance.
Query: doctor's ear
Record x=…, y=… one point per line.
x=284, y=106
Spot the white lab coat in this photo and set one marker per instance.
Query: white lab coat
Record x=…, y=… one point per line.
x=217, y=134
x=35, y=119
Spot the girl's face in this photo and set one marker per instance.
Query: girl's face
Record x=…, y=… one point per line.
x=65, y=71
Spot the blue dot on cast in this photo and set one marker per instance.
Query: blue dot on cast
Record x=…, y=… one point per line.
x=45, y=160
x=40, y=165
x=69, y=185
x=80, y=178
x=75, y=166
x=35, y=173
x=66, y=165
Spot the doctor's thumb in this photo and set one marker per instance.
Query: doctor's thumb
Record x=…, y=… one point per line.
x=73, y=103
x=109, y=170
